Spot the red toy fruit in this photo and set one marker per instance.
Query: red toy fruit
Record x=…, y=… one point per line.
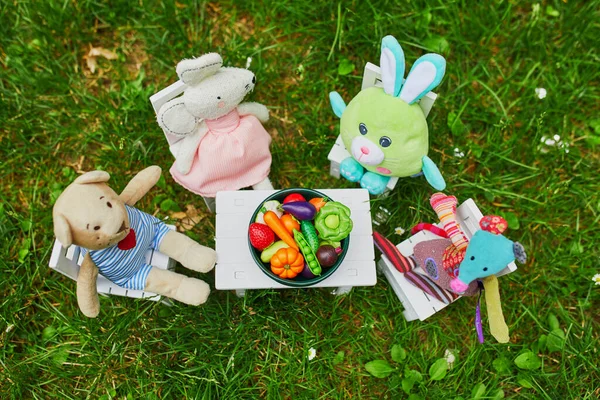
x=290, y=198
x=261, y=236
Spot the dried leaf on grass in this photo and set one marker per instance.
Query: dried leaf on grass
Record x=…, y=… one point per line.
x=188, y=219
x=95, y=52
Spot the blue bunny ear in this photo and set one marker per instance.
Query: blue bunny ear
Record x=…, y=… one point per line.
x=337, y=103
x=426, y=73
x=392, y=65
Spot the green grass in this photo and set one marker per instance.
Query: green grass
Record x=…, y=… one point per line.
x=58, y=119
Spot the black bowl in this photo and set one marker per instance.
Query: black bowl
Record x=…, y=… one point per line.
x=298, y=281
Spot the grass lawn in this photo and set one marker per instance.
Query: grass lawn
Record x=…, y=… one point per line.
x=59, y=119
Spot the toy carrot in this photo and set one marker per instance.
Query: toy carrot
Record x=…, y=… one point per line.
x=277, y=226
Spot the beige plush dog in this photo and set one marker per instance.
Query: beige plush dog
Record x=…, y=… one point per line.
x=114, y=237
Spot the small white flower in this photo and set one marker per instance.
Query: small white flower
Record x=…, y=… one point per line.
x=248, y=62
x=596, y=279
x=399, y=230
x=458, y=153
x=450, y=358
x=535, y=9
x=540, y=93
x=312, y=353
x=9, y=328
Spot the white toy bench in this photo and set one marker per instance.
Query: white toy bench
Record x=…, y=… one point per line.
x=68, y=260
x=338, y=153
x=417, y=303
x=170, y=92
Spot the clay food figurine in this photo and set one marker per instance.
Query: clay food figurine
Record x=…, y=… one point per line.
x=222, y=144
x=115, y=236
x=384, y=129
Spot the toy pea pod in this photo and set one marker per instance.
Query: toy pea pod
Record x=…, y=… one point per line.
x=309, y=254
x=333, y=221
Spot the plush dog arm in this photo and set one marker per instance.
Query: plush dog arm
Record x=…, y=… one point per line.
x=140, y=185
x=87, y=294
x=185, y=149
x=258, y=110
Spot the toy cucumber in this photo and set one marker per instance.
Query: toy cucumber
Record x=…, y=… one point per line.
x=309, y=254
x=268, y=253
x=310, y=234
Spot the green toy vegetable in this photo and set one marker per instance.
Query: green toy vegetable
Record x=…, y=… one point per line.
x=309, y=254
x=310, y=234
x=333, y=221
x=268, y=253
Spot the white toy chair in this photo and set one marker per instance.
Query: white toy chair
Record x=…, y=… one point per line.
x=170, y=92
x=68, y=260
x=338, y=153
x=417, y=303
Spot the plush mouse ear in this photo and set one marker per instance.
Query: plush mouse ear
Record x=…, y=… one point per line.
x=62, y=230
x=93, y=177
x=426, y=73
x=191, y=72
x=392, y=65
x=494, y=224
x=174, y=118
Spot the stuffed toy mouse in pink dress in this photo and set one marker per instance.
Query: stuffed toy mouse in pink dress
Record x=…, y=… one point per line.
x=221, y=144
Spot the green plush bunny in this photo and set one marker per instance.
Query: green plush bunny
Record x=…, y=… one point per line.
x=384, y=128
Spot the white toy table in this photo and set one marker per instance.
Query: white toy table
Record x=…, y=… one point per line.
x=236, y=269
x=417, y=303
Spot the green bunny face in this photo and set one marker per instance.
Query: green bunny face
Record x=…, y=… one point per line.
x=385, y=134
x=384, y=129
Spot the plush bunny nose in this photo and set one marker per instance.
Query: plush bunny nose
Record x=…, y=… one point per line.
x=365, y=150
x=221, y=104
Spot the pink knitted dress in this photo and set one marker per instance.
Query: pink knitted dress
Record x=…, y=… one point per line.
x=233, y=154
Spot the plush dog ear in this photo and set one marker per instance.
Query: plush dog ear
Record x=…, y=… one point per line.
x=175, y=119
x=191, y=72
x=392, y=65
x=93, y=177
x=426, y=73
x=62, y=230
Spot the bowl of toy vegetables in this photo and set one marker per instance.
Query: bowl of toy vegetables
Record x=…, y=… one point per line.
x=299, y=237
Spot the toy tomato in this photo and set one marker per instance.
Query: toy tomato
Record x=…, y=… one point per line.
x=290, y=223
x=287, y=263
x=290, y=198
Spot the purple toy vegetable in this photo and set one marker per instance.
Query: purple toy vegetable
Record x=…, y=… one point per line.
x=302, y=210
x=306, y=272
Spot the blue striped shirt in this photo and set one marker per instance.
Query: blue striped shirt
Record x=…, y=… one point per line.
x=128, y=268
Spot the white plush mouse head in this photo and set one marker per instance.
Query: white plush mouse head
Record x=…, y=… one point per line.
x=213, y=91
x=90, y=214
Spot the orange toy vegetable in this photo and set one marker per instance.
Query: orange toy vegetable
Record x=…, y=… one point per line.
x=287, y=263
x=273, y=222
x=290, y=223
x=318, y=202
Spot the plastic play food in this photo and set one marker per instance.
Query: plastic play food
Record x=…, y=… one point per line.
x=327, y=255
x=318, y=202
x=306, y=272
x=287, y=263
x=290, y=198
x=333, y=221
x=302, y=210
x=290, y=223
x=271, y=205
x=310, y=234
x=309, y=254
x=268, y=253
x=273, y=222
x=261, y=236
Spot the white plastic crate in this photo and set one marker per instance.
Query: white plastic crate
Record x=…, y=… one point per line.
x=338, y=153
x=417, y=303
x=68, y=260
